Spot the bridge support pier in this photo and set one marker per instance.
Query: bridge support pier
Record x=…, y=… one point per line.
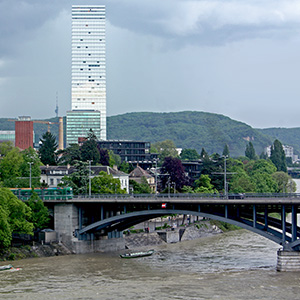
x=68, y=219
x=288, y=261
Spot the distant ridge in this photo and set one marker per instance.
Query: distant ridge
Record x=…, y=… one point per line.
x=188, y=129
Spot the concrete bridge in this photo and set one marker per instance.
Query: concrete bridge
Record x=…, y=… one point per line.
x=88, y=224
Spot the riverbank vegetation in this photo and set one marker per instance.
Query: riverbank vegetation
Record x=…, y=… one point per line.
x=18, y=217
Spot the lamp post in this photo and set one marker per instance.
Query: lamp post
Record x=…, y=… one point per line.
x=90, y=184
x=30, y=163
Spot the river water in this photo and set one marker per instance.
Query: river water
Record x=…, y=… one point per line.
x=235, y=265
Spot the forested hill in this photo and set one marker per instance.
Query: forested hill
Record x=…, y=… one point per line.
x=287, y=136
x=188, y=129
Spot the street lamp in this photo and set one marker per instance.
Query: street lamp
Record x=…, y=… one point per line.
x=90, y=184
x=30, y=163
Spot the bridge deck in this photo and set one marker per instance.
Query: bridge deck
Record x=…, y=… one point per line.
x=265, y=201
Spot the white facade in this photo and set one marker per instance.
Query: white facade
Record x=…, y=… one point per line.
x=288, y=150
x=88, y=61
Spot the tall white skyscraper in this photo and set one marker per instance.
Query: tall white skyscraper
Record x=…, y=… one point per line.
x=88, y=68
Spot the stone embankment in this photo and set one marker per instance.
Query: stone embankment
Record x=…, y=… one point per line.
x=36, y=250
x=136, y=240
x=191, y=232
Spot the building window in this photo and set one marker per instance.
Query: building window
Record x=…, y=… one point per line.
x=51, y=181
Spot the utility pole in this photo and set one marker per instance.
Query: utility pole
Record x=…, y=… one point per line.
x=155, y=177
x=225, y=177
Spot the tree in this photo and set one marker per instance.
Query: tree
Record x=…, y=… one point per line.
x=79, y=179
x=69, y=155
x=126, y=167
x=5, y=147
x=140, y=188
x=203, y=185
x=47, y=149
x=285, y=184
x=204, y=155
x=260, y=172
x=31, y=161
x=105, y=184
x=173, y=172
x=114, y=159
x=241, y=183
x=226, y=151
x=40, y=214
x=104, y=157
x=5, y=230
x=250, y=151
x=14, y=217
x=89, y=149
x=278, y=156
x=189, y=154
x=165, y=149
x=10, y=172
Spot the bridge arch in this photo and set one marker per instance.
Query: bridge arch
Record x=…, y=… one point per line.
x=126, y=220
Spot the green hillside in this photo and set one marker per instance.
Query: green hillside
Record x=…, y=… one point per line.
x=287, y=136
x=188, y=129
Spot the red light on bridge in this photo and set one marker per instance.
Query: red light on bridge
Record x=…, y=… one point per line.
x=164, y=205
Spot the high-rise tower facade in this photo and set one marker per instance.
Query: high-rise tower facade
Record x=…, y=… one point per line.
x=88, y=67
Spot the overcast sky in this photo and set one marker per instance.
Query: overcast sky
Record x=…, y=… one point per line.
x=239, y=58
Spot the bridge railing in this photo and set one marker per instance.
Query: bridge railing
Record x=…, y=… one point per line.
x=189, y=196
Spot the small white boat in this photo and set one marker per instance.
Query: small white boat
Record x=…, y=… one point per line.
x=9, y=268
x=137, y=254
x=6, y=267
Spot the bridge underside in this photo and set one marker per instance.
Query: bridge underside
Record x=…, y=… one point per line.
x=256, y=218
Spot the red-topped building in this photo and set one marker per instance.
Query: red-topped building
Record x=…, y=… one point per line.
x=24, y=132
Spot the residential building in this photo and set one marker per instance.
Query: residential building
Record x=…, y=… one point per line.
x=52, y=175
x=288, y=150
x=138, y=173
x=88, y=67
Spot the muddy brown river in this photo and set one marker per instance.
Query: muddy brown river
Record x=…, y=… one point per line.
x=235, y=265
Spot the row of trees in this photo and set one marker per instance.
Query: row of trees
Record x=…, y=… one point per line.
x=88, y=151
x=243, y=176
x=248, y=174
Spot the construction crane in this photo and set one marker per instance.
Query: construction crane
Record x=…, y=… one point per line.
x=45, y=122
x=38, y=121
x=60, y=128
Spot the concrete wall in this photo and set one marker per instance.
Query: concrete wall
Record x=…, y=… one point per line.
x=288, y=261
x=169, y=236
x=103, y=245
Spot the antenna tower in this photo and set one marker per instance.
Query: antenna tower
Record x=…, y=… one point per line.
x=56, y=108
